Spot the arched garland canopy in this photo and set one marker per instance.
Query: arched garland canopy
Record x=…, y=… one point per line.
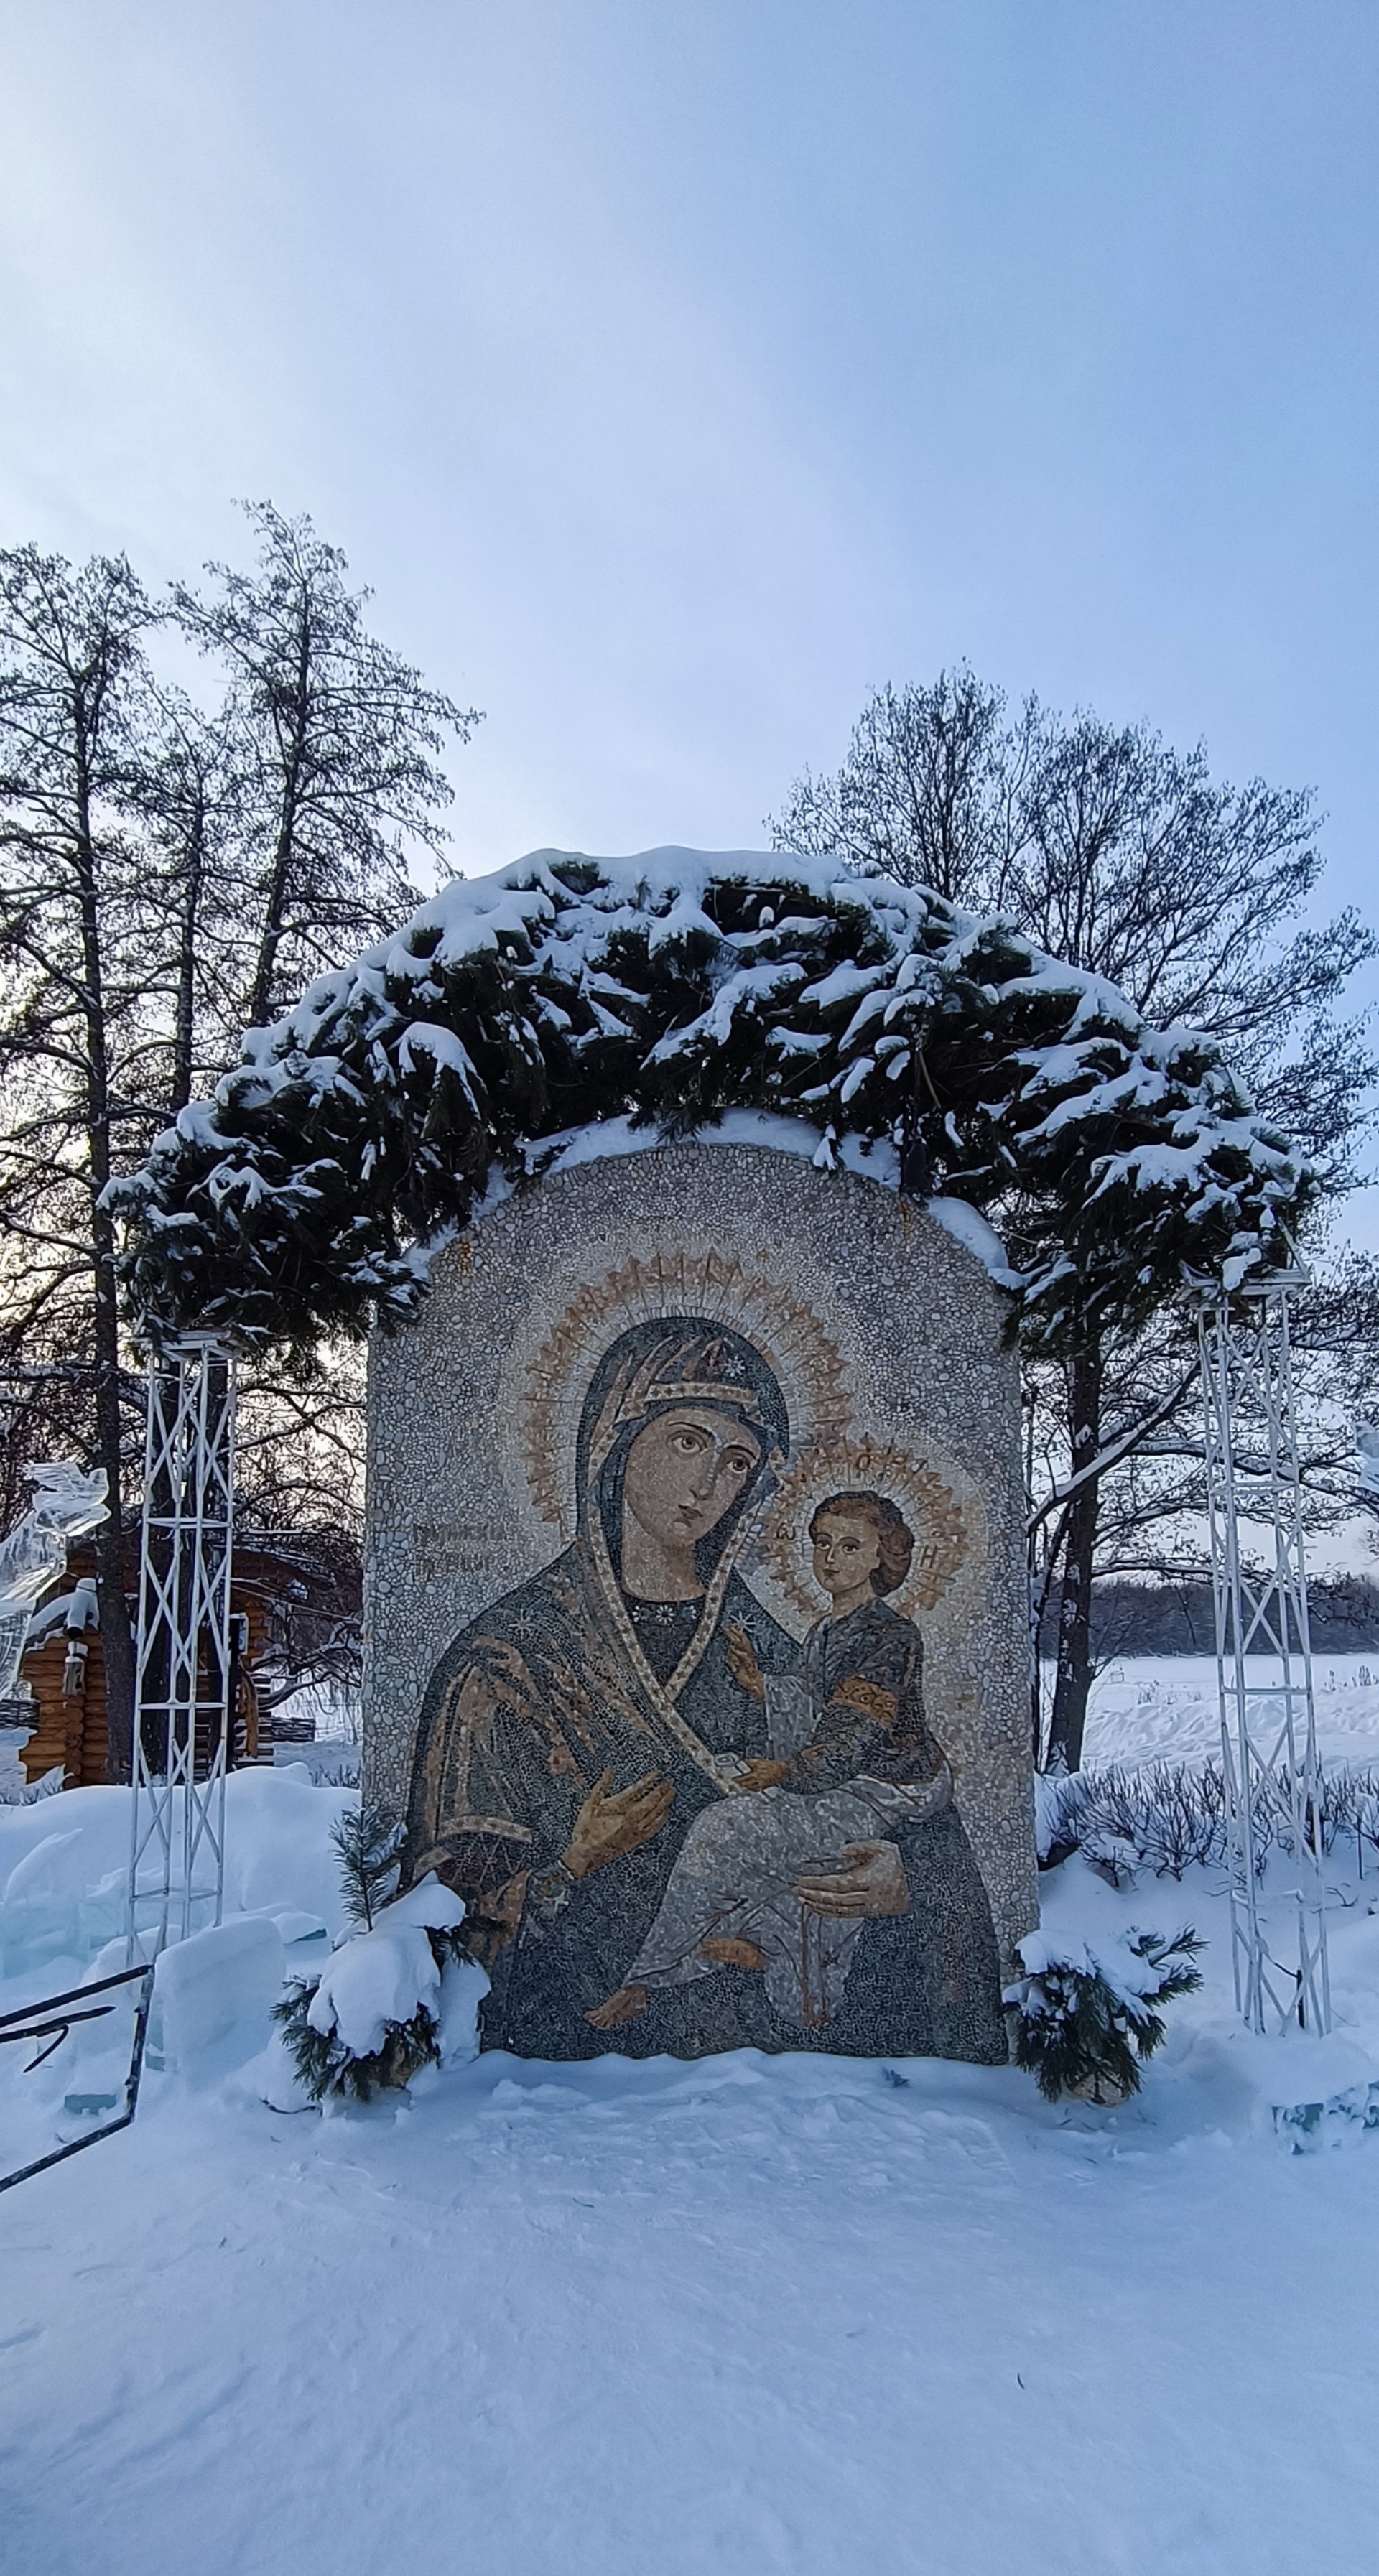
x=565, y=991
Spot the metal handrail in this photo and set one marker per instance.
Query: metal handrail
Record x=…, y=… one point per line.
x=33, y=2028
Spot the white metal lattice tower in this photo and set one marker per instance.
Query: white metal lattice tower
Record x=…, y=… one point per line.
x=1268, y=1721
x=182, y=1710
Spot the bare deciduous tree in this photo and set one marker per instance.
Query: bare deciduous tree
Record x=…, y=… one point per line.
x=334, y=743
x=78, y=1027
x=1126, y=857
x=169, y=873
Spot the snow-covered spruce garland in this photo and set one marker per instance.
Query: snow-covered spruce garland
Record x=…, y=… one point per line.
x=566, y=991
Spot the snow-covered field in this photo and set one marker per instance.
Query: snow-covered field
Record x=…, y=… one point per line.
x=796, y=2315
x=1153, y=1708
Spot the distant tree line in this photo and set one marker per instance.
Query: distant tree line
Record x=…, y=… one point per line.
x=1174, y=1616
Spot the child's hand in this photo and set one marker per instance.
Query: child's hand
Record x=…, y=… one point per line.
x=742, y=1662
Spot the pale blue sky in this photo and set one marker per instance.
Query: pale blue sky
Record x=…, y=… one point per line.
x=678, y=370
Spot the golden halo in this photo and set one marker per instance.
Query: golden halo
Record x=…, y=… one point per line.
x=937, y=1518
x=788, y=1333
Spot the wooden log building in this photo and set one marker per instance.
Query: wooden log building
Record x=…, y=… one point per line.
x=64, y=1669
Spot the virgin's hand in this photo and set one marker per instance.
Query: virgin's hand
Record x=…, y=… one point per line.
x=761, y=1774
x=873, y=1882
x=614, y=1821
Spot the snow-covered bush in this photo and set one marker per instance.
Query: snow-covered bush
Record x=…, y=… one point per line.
x=1350, y=1805
x=16, y=1791
x=374, y=2017
x=1347, y=1809
x=1171, y=1816
x=1088, y=2017
x=1168, y=1818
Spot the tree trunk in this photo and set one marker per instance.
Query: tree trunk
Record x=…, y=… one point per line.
x=189, y=924
x=1040, y=1586
x=284, y=850
x=1074, y=1675
x=117, y=1636
x=117, y=1643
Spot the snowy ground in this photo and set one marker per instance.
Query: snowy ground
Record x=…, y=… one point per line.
x=744, y=2316
x=1151, y=1708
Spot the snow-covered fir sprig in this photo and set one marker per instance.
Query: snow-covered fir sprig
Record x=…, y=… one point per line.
x=565, y=991
x=1088, y=2017
x=373, y=2018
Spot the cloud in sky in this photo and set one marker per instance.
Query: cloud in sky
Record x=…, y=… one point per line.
x=679, y=370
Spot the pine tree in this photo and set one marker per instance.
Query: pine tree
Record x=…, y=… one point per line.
x=564, y=991
x=368, y=1840
x=325, y=2066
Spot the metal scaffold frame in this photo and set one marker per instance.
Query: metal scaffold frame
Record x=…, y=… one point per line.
x=1268, y=1724
x=184, y=1673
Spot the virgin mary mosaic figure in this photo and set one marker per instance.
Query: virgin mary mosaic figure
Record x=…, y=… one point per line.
x=572, y=1734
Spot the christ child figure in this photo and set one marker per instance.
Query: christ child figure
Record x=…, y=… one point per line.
x=762, y=1881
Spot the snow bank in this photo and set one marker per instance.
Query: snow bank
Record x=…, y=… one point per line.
x=64, y=1874
x=64, y=1865
x=278, y=1850
x=646, y=2289
x=749, y=2313
x=220, y=1985
x=1164, y=1708
x=64, y=1895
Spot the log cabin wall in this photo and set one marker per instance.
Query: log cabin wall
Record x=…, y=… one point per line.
x=65, y=1671
x=266, y=1591
x=71, y=1722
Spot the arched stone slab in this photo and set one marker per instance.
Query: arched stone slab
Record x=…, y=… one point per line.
x=800, y=1337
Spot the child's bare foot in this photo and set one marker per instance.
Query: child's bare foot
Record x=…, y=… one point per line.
x=733, y=1953
x=624, y=2005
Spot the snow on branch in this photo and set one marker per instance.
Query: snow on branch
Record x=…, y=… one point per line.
x=567, y=992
